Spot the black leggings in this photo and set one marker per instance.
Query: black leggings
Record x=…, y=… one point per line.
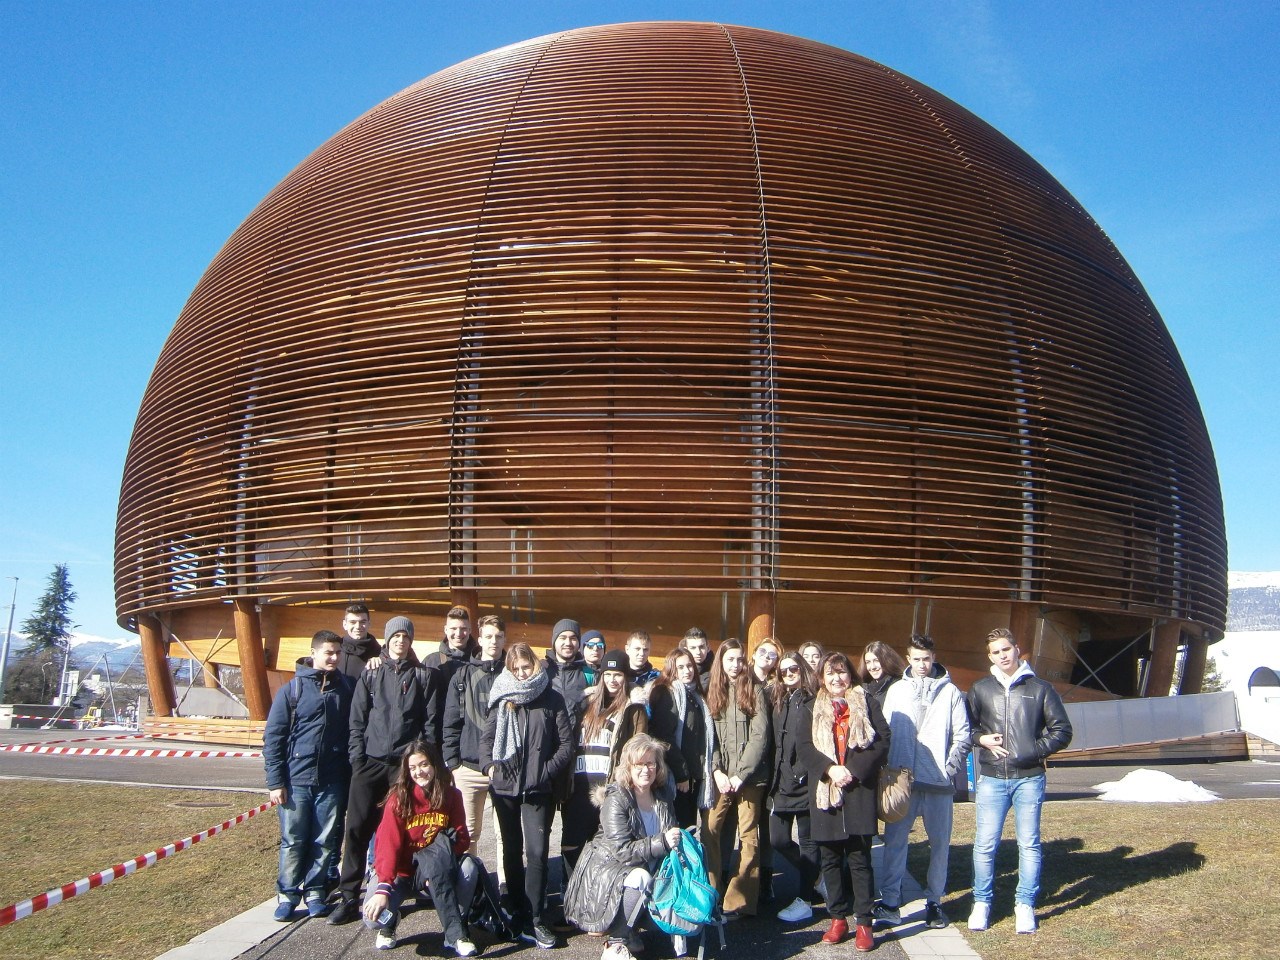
x=581, y=820
x=525, y=825
x=803, y=856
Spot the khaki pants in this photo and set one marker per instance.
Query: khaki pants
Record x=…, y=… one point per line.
x=743, y=888
x=474, y=788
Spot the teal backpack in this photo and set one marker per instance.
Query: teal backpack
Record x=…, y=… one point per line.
x=683, y=900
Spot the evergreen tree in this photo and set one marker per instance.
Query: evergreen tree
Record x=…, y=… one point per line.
x=1213, y=680
x=49, y=628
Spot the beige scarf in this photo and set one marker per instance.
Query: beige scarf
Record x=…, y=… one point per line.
x=861, y=733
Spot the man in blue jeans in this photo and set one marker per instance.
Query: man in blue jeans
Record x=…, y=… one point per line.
x=305, y=752
x=1018, y=720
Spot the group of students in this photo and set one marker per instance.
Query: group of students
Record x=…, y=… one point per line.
x=761, y=743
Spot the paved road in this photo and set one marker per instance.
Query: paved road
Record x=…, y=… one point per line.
x=241, y=774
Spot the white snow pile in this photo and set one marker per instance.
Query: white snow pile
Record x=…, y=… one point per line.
x=1152, y=786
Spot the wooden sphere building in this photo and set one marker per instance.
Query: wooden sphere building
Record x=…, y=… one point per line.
x=665, y=324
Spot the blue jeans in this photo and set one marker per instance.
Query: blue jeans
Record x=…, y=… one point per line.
x=309, y=836
x=994, y=798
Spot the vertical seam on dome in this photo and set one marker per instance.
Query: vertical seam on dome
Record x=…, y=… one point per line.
x=770, y=405
x=1031, y=585
x=457, y=414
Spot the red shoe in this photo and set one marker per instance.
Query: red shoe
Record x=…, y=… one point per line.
x=863, y=940
x=838, y=930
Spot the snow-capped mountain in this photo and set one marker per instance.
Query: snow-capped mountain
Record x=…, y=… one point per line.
x=1253, y=602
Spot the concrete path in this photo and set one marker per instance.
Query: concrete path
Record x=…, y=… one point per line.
x=254, y=935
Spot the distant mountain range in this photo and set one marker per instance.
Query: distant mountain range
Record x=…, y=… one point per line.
x=1253, y=602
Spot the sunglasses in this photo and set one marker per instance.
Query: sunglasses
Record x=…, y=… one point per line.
x=596, y=644
x=791, y=669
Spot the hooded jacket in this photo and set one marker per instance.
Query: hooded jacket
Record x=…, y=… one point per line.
x=394, y=705
x=929, y=727
x=1027, y=712
x=356, y=654
x=305, y=740
x=466, y=711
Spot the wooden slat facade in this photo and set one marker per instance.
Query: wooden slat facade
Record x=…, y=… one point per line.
x=671, y=309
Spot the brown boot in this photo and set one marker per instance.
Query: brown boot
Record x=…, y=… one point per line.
x=838, y=930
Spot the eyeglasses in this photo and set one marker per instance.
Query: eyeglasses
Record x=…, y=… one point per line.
x=648, y=765
x=595, y=644
x=791, y=669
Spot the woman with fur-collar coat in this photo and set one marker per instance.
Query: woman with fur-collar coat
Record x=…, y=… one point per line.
x=842, y=749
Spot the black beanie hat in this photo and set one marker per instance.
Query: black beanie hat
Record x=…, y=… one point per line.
x=616, y=660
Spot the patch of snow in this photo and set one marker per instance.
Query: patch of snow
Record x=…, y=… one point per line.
x=1238, y=579
x=1238, y=654
x=1152, y=786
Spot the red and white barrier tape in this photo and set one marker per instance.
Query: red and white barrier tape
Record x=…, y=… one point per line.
x=16, y=911
x=126, y=736
x=128, y=751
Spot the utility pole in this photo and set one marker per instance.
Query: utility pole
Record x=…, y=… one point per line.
x=8, y=635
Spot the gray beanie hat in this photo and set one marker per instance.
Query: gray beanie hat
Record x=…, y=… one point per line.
x=563, y=625
x=398, y=625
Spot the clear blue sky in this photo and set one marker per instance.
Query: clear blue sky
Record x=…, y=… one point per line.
x=138, y=135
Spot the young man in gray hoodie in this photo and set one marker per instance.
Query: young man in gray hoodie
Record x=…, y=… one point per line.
x=928, y=735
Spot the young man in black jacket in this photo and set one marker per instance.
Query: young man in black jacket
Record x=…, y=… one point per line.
x=358, y=647
x=393, y=706
x=465, y=713
x=1017, y=721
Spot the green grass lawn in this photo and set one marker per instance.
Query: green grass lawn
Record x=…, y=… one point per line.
x=1131, y=881
x=1120, y=881
x=55, y=833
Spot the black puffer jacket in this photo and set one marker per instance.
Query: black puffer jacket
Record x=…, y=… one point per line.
x=466, y=709
x=789, y=789
x=594, y=893
x=546, y=747
x=394, y=705
x=1030, y=716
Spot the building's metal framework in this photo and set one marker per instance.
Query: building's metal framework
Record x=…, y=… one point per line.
x=670, y=322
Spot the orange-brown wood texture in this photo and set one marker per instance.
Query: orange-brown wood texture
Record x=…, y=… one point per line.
x=671, y=308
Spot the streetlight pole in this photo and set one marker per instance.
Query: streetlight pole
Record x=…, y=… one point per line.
x=8, y=635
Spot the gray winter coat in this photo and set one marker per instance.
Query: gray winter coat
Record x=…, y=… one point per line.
x=594, y=894
x=929, y=727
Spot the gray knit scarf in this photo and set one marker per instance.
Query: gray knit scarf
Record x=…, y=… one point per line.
x=681, y=694
x=507, y=689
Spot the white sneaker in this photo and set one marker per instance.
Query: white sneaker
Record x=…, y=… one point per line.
x=615, y=950
x=1024, y=918
x=980, y=916
x=797, y=910
x=464, y=947
x=384, y=941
